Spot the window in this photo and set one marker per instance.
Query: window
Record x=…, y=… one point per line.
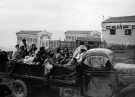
x=72, y=37
x=66, y=37
x=69, y=37
x=127, y=31
x=30, y=39
x=91, y=43
x=112, y=31
x=35, y=40
x=49, y=37
x=19, y=38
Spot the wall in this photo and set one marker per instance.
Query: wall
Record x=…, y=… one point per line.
x=30, y=39
x=75, y=36
x=41, y=39
x=94, y=34
x=120, y=37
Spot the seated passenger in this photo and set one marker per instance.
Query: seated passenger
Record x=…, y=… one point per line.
x=66, y=59
x=16, y=48
x=42, y=51
x=37, y=59
x=57, y=52
x=70, y=55
x=4, y=56
x=58, y=55
x=51, y=59
x=65, y=49
x=62, y=55
x=18, y=55
x=49, y=63
x=33, y=49
x=48, y=51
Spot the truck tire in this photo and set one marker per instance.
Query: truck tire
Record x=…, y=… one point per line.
x=21, y=88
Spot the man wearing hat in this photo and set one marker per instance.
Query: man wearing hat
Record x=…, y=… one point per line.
x=78, y=49
x=23, y=43
x=26, y=48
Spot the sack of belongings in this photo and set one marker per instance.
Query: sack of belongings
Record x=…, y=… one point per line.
x=47, y=67
x=28, y=60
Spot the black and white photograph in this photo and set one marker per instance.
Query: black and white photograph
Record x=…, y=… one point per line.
x=67, y=48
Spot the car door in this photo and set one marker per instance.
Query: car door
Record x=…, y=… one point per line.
x=98, y=77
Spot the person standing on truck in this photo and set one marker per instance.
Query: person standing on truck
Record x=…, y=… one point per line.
x=33, y=50
x=26, y=48
x=79, y=58
x=77, y=52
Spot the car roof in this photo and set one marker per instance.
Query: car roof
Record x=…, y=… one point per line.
x=98, y=52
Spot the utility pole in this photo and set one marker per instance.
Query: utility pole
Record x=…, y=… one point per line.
x=134, y=55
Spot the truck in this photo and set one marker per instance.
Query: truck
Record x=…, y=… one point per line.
x=97, y=75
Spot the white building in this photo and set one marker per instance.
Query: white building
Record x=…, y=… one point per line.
x=73, y=35
x=40, y=38
x=119, y=30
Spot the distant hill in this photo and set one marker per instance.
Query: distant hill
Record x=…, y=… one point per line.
x=6, y=48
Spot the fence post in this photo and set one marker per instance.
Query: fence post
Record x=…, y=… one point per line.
x=134, y=55
x=60, y=43
x=71, y=45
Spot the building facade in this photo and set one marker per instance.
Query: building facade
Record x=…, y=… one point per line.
x=73, y=35
x=119, y=30
x=89, y=42
x=40, y=38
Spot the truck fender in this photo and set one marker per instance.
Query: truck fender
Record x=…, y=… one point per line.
x=128, y=89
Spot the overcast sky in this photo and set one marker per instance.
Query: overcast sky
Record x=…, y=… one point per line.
x=57, y=16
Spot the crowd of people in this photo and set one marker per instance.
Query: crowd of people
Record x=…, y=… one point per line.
x=59, y=55
x=47, y=57
x=3, y=56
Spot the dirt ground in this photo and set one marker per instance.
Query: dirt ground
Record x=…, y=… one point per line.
x=125, y=56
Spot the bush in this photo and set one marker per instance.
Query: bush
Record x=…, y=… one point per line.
x=117, y=47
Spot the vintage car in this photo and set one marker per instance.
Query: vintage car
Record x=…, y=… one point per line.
x=98, y=75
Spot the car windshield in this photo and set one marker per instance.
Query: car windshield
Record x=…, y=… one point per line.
x=96, y=61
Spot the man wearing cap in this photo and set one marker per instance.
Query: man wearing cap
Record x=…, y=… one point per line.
x=77, y=52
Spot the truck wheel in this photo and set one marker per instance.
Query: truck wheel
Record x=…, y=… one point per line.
x=21, y=89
